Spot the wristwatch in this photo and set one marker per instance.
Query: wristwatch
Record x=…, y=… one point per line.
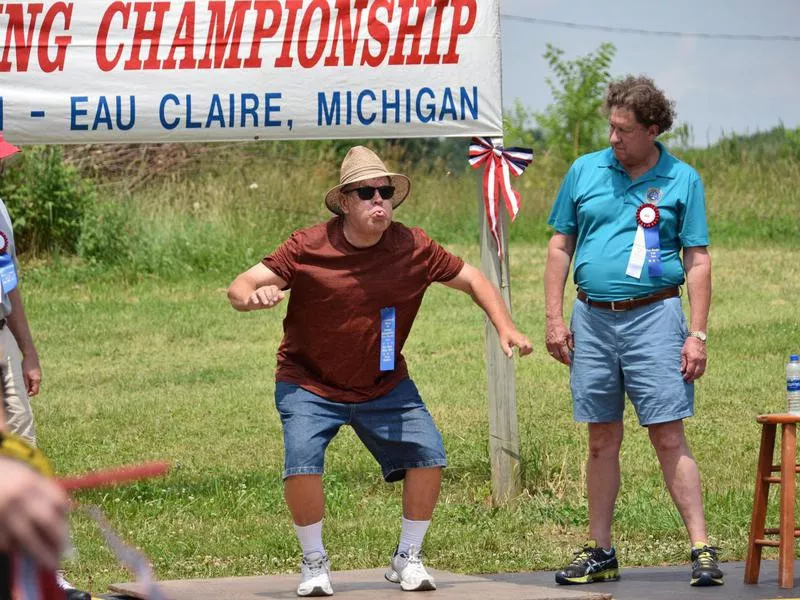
x=700, y=335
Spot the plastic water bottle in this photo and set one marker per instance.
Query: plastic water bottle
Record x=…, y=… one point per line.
x=793, y=384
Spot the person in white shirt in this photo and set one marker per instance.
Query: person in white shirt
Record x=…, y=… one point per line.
x=20, y=372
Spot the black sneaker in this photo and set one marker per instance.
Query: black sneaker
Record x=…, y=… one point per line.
x=591, y=564
x=705, y=570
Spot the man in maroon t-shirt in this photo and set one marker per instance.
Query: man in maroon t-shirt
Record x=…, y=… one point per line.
x=357, y=282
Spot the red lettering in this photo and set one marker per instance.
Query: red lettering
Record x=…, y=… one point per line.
x=61, y=41
x=16, y=27
x=100, y=52
x=260, y=31
x=224, y=36
x=379, y=32
x=433, y=57
x=183, y=40
x=305, y=36
x=349, y=34
x=458, y=28
x=142, y=34
x=407, y=30
x=285, y=60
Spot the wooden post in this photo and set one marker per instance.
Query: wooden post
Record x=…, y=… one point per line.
x=503, y=429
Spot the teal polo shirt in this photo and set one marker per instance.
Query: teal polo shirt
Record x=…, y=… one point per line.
x=597, y=203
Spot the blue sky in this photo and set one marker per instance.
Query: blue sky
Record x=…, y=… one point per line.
x=718, y=85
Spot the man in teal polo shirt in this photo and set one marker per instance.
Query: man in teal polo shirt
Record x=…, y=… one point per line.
x=626, y=213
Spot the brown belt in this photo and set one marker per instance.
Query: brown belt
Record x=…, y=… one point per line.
x=630, y=303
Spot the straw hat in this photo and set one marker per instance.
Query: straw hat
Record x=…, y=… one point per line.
x=7, y=151
x=362, y=163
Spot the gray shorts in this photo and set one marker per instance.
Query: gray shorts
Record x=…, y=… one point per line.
x=637, y=352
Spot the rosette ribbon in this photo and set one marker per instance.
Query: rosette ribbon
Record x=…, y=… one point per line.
x=499, y=165
x=646, y=243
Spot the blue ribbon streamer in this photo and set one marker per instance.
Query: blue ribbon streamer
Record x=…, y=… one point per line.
x=652, y=242
x=8, y=272
x=387, y=338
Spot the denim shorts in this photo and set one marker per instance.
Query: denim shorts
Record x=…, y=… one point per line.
x=637, y=352
x=396, y=428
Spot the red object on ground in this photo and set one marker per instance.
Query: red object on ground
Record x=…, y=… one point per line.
x=106, y=477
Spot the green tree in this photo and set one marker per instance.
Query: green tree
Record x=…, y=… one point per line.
x=518, y=128
x=573, y=124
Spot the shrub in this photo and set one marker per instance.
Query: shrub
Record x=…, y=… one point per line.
x=109, y=234
x=46, y=199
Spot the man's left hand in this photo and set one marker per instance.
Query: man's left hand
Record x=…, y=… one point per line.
x=693, y=359
x=32, y=373
x=514, y=338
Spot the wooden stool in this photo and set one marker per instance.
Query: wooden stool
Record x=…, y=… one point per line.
x=786, y=531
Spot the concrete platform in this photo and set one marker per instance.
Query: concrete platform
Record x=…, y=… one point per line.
x=658, y=583
x=362, y=585
x=672, y=583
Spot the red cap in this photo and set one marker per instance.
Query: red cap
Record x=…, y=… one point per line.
x=7, y=149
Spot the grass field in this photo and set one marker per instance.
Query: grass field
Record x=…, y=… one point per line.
x=229, y=207
x=151, y=367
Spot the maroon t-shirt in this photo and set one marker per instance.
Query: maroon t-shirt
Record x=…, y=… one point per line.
x=331, y=341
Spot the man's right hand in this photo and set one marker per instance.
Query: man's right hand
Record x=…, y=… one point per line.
x=265, y=297
x=559, y=340
x=31, y=372
x=256, y=288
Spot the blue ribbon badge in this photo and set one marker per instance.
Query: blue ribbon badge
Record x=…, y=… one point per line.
x=8, y=273
x=647, y=216
x=387, y=338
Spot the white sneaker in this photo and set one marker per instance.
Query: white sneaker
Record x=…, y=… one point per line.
x=62, y=582
x=407, y=570
x=69, y=590
x=315, y=576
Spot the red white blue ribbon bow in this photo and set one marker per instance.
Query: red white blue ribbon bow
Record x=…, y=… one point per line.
x=500, y=164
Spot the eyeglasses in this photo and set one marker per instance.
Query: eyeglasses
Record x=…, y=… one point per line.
x=367, y=192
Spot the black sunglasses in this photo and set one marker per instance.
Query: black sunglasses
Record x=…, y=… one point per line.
x=367, y=192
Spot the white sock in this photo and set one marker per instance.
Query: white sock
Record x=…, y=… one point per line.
x=412, y=534
x=310, y=537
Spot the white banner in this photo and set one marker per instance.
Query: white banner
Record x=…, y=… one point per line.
x=102, y=70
